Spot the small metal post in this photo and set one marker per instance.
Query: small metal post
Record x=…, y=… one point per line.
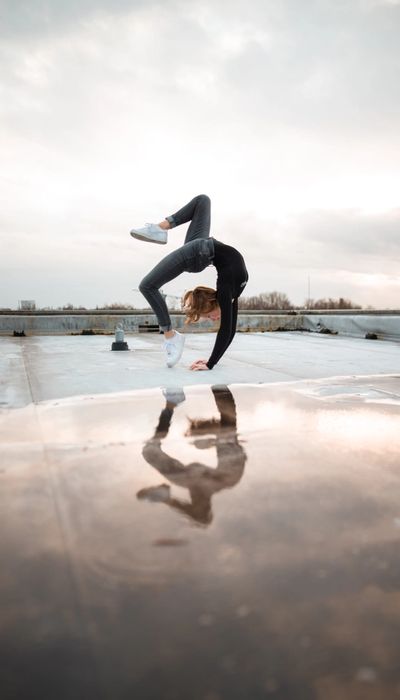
x=119, y=343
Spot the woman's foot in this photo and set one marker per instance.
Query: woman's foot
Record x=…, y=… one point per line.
x=152, y=233
x=157, y=494
x=174, y=396
x=173, y=347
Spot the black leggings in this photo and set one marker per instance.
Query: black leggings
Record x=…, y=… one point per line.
x=194, y=256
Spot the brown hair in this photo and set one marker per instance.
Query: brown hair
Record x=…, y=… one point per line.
x=198, y=302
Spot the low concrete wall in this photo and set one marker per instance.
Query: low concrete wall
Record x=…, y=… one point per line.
x=37, y=323
x=356, y=325
x=54, y=324
x=386, y=325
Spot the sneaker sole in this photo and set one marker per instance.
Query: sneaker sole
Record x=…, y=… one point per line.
x=142, y=237
x=175, y=362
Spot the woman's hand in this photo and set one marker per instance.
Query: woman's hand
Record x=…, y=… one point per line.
x=199, y=365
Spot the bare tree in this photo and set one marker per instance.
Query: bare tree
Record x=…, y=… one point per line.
x=266, y=301
x=330, y=303
x=118, y=305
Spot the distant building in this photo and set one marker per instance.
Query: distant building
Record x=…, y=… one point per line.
x=27, y=305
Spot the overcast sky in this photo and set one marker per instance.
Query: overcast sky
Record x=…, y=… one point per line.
x=116, y=112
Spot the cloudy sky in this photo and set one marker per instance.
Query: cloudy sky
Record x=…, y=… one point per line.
x=116, y=112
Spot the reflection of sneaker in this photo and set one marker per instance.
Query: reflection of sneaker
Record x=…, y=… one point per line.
x=174, y=348
x=174, y=395
x=151, y=233
x=157, y=494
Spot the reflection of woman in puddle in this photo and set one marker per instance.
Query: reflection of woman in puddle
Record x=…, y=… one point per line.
x=201, y=481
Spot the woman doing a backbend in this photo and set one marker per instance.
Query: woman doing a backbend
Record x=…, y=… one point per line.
x=198, y=251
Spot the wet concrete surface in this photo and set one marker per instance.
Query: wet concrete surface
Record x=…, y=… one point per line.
x=204, y=542
x=39, y=368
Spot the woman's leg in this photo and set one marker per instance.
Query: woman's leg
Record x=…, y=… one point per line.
x=167, y=269
x=194, y=256
x=198, y=212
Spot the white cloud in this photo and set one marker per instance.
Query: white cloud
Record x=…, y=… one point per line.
x=116, y=113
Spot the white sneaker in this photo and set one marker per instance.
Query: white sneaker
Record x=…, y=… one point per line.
x=174, y=395
x=153, y=233
x=157, y=494
x=174, y=348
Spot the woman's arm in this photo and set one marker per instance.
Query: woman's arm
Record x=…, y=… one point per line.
x=227, y=328
x=234, y=321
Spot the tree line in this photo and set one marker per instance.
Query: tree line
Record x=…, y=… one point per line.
x=266, y=301
x=279, y=301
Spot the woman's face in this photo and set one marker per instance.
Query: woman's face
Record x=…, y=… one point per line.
x=213, y=315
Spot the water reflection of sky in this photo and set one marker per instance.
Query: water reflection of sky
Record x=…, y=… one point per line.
x=284, y=582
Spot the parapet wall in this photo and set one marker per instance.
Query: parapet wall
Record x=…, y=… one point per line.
x=385, y=324
x=385, y=327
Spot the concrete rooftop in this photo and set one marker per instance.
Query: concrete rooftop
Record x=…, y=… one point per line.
x=173, y=535
x=39, y=368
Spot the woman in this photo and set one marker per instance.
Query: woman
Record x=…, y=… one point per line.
x=198, y=251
